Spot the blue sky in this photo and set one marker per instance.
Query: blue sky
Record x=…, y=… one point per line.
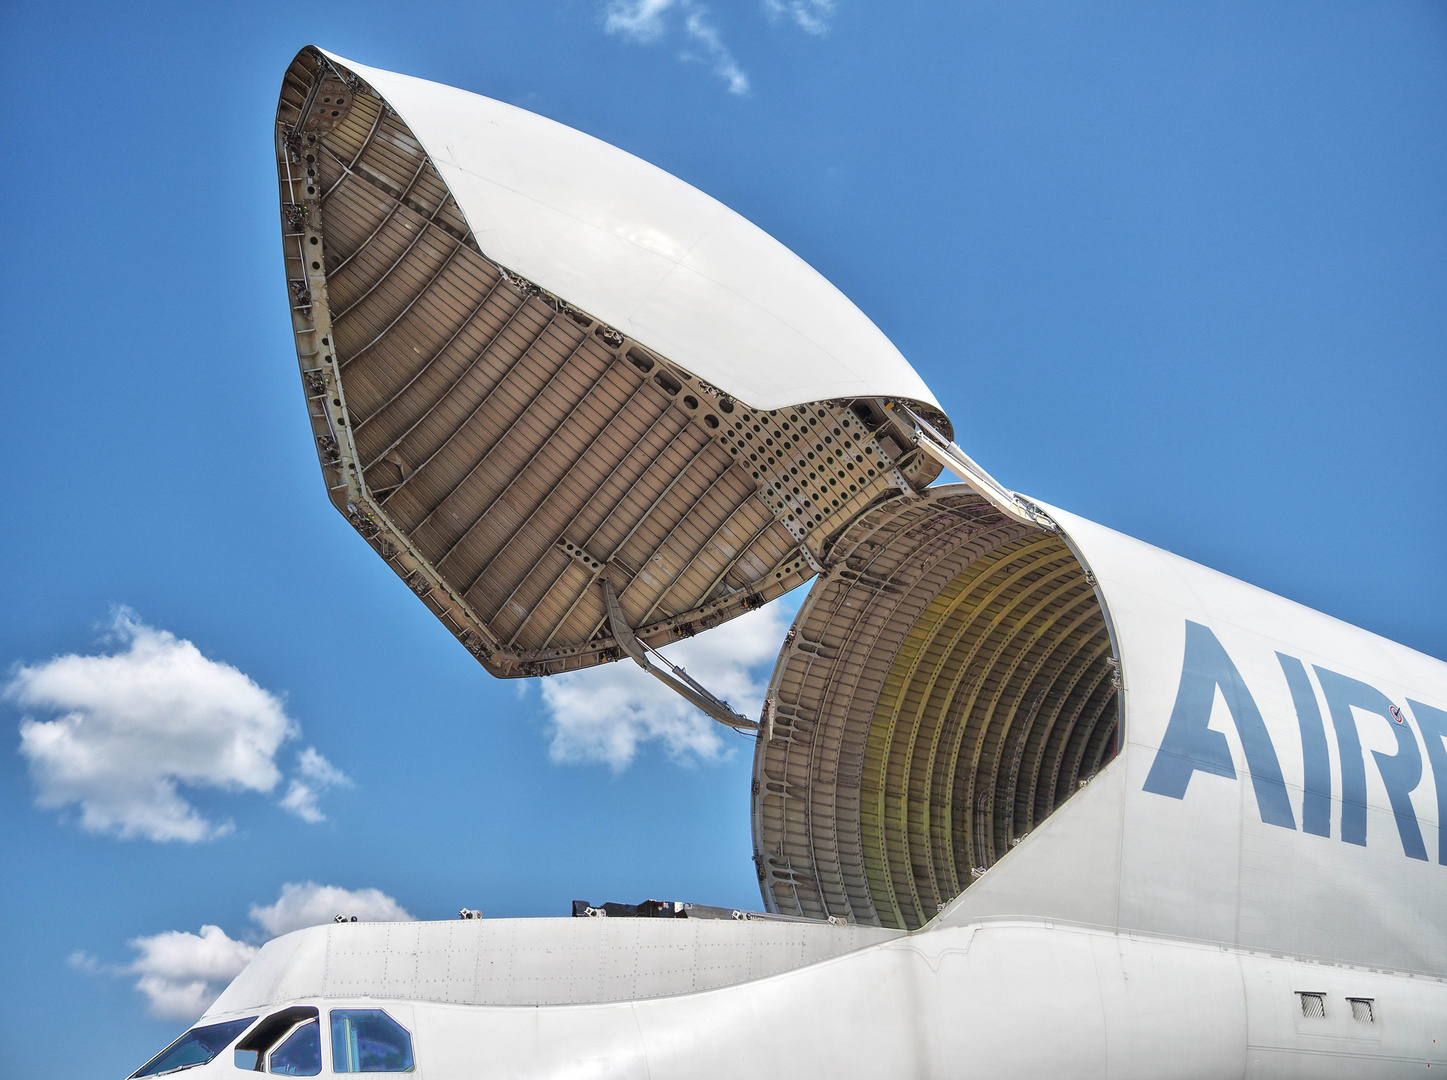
x=1179, y=268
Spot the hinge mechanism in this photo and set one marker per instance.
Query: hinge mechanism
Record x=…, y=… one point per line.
x=674, y=677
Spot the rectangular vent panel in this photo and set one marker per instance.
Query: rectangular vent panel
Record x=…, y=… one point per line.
x=1362, y=1010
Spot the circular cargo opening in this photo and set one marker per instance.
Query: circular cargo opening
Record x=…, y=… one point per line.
x=945, y=688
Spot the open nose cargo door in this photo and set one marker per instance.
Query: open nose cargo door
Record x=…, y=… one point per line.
x=534, y=363
x=583, y=409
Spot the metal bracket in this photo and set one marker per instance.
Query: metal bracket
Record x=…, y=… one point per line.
x=814, y=564
x=675, y=678
x=929, y=439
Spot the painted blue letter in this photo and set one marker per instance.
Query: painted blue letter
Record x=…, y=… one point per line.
x=1190, y=745
x=1432, y=723
x=1316, y=802
x=1400, y=771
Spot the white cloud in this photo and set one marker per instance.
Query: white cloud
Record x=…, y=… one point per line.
x=310, y=904
x=301, y=795
x=319, y=769
x=301, y=799
x=84, y=961
x=644, y=21
x=137, y=724
x=724, y=65
x=641, y=20
x=812, y=16
x=605, y=714
x=180, y=973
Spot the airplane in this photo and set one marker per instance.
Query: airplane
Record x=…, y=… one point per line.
x=1030, y=797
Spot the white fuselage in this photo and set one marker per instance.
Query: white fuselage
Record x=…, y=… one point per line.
x=1254, y=885
x=1002, y=999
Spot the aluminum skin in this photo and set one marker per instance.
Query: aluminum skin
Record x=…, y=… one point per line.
x=642, y=250
x=1254, y=884
x=1001, y=998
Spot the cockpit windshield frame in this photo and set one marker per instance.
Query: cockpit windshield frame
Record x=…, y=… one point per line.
x=209, y=1040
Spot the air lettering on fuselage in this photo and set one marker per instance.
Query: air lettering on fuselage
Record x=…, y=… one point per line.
x=1190, y=745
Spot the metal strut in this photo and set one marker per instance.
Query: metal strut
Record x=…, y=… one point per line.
x=674, y=677
x=929, y=439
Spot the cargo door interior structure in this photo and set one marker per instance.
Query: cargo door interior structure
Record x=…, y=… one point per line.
x=950, y=679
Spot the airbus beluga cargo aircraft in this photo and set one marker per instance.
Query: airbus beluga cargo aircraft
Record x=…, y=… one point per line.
x=1031, y=798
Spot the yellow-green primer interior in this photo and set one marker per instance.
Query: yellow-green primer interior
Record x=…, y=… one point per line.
x=943, y=691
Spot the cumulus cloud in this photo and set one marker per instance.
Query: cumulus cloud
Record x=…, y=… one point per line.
x=645, y=21
x=605, y=714
x=134, y=726
x=180, y=974
x=310, y=904
x=811, y=16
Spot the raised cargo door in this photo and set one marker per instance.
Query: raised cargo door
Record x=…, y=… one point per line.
x=506, y=448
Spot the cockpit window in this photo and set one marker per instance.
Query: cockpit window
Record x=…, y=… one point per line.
x=300, y=1054
x=368, y=1040
x=251, y=1051
x=196, y=1047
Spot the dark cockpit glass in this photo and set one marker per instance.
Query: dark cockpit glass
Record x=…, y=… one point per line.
x=368, y=1040
x=300, y=1054
x=196, y=1047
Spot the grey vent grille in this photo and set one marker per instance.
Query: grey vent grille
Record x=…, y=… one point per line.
x=1313, y=1006
x=1362, y=1010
